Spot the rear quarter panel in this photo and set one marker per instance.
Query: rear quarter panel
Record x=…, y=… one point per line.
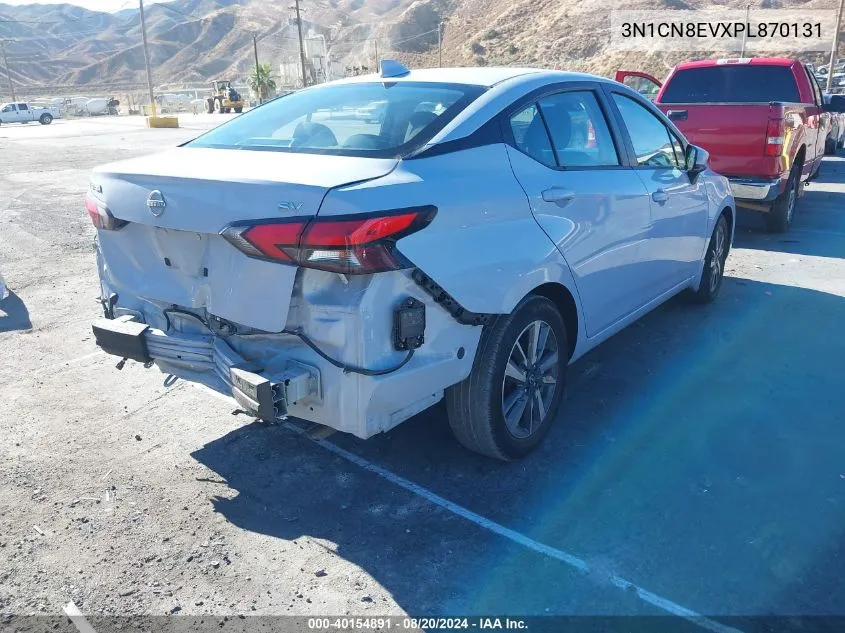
x=484, y=246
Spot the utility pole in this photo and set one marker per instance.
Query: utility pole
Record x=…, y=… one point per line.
x=258, y=85
x=833, y=46
x=296, y=8
x=8, y=74
x=375, y=43
x=440, y=44
x=147, y=59
x=745, y=32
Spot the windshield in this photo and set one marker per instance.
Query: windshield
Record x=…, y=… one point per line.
x=356, y=119
x=732, y=84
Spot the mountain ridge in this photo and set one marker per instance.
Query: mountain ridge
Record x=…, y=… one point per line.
x=192, y=41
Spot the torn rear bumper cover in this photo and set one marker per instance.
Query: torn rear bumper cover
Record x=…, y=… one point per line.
x=265, y=396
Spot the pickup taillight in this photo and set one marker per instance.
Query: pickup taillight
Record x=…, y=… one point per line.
x=775, y=132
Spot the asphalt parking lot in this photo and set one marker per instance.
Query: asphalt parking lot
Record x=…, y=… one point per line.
x=697, y=466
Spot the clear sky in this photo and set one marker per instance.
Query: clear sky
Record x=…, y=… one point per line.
x=94, y=5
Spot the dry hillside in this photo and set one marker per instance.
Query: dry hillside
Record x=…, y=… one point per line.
x=195, y=40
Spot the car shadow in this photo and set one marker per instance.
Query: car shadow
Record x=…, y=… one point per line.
x=818, y=228
x=687, y=401
x=14, y=314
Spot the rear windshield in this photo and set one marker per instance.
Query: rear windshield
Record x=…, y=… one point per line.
x=732, y=84
x=379, y=120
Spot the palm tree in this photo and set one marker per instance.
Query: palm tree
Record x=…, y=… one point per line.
x=261, y=82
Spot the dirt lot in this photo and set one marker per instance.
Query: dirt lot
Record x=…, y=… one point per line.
x=698, y=464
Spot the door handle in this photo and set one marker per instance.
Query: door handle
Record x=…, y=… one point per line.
x=677, y=115
x=561, y=197
x=660, y=196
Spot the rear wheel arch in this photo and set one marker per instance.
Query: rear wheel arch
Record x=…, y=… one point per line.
x=729, y=216
x=565, y=302
x=800, y=156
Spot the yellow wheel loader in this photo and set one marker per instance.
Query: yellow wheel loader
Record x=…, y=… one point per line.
x=224, y=98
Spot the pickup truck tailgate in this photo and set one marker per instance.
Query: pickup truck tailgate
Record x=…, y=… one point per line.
x=734, y=134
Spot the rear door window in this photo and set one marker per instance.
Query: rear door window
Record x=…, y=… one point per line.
x=22, y=107
x=579, y=131
x=380, y=120
x=732, y=84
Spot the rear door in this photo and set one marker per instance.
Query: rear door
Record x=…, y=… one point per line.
x=679, y=208
x=24, y=113
x=567, y=156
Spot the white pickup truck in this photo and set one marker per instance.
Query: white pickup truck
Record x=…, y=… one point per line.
x=24, y=113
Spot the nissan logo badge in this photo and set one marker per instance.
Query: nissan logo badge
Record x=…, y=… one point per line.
x=156, y=203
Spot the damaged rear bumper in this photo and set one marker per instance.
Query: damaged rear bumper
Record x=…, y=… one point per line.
x=264, y=394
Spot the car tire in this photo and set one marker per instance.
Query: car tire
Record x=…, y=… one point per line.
x=239, y=110
x=714, y=263
x=779, y=217
x=46, y=119
x=476, y=406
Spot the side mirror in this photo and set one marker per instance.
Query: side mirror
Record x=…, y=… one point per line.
x=836, y=103
x=695, y=161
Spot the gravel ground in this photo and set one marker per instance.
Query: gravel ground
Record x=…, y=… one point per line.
x=699, y=453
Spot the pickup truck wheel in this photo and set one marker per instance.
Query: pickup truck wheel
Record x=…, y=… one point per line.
x=829, y=146
x=780, y=215
x=507, y=404
x=46, y=119
x=714, y=263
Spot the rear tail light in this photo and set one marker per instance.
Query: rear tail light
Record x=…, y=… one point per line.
x=101, y=216
x=356, y=245
x=775, y=132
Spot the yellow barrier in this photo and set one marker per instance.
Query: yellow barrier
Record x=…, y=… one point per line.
x=162, y=121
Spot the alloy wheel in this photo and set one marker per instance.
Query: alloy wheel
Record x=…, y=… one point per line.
x=530, y=380
x=717, y=260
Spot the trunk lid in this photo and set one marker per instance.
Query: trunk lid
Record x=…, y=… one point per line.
x=734, y=134
x=173, y=253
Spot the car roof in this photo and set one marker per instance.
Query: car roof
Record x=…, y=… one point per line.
x=752, y=61
x=486, y=76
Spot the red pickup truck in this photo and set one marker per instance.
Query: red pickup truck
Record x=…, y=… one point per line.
x=763, y=120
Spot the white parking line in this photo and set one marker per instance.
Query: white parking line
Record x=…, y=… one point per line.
x=646, y=596
x=653, y=599
x=75, y=616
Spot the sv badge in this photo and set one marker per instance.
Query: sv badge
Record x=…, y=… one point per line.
x=290, y=206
